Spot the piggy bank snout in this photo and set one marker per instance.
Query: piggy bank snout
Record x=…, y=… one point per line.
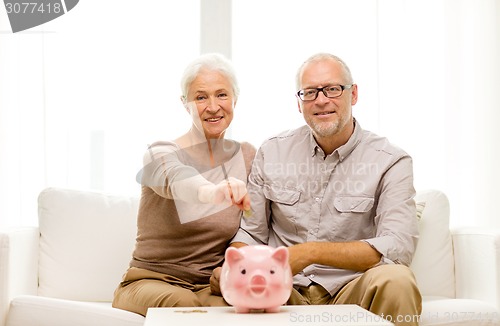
x=258, y=280
x=258, y=284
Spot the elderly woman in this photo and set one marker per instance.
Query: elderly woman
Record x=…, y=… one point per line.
x=193, y=195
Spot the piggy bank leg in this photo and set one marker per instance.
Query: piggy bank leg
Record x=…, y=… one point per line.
x=241, y=310
x=273, y=309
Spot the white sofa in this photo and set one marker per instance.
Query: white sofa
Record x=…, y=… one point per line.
x=64, y=272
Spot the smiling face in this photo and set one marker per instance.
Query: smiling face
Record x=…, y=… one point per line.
x=328, y=117
x=213, y=97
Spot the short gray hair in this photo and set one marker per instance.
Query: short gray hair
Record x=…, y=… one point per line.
x=209, y=61
x=322, y=56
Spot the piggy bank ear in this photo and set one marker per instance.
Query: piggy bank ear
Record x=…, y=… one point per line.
x=233, y=255
x=281, y=255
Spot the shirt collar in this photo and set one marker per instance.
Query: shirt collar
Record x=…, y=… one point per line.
x=344, y=150
x=351, y=144
x=314, y=145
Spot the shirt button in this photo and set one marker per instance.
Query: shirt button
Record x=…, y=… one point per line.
x=312, y=276
x=317, y=199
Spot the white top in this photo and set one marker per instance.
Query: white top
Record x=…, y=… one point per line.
x=337, y=315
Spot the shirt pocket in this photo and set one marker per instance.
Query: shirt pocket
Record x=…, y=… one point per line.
x=354, y=218
x=284, y=203
x=353, y=204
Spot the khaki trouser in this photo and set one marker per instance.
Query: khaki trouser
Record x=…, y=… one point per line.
x=141, y=289
x=389, y=291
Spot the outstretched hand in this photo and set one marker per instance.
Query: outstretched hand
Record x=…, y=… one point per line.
x=232, y=191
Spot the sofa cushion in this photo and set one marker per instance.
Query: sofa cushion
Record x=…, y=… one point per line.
x=420, y=209
x=433, y=263
x=86, y=242
x=457, y=312
x=41, y=311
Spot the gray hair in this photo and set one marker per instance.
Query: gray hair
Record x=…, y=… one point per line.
x=322, y=56
x=209, y=61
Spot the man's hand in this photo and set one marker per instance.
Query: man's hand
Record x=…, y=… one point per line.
x=298, y=257
x=215, y=281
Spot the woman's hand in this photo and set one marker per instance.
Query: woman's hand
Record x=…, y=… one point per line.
x=232, y=191
x=215, y=281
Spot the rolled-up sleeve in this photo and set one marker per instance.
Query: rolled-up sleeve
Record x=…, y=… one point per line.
x=396, y=223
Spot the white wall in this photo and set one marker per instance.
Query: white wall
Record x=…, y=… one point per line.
x=83, y=95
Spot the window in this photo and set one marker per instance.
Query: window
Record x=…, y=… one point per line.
x=112, y=83
x=83, y=95
x=270, y=43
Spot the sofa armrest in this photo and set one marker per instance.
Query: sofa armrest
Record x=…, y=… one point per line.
x=477, y=264
x=18, y=265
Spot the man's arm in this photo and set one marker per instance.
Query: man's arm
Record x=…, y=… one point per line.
x=396, y=233
x=355, y=255
x=238, y=244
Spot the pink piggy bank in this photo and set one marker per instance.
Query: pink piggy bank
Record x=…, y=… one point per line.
x=256, y=277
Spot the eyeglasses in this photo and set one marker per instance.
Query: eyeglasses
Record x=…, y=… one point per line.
x=310, y=94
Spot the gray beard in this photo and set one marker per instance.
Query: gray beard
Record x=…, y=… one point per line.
x=325, y=130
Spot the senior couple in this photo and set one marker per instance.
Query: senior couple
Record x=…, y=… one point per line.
x=347, y=245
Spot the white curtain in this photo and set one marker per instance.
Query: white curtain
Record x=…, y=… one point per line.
x=83, y=95
x=439, y=69
x=427, y=71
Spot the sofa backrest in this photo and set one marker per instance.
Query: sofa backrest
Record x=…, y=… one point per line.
x=86, y=243
x=433, y=263
x=87, y=238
